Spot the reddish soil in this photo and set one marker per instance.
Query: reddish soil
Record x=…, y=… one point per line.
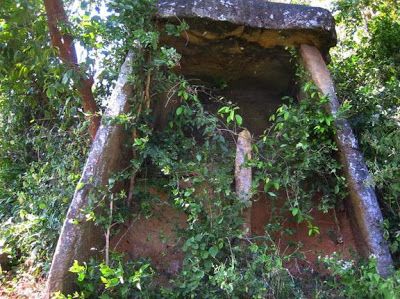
x=335, y=235
x=25, y=286
x=155, y=237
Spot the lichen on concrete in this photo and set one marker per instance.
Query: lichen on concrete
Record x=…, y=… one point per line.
x=363, y=205
x=311, y=24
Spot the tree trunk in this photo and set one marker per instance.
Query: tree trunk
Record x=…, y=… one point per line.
x=66, y=51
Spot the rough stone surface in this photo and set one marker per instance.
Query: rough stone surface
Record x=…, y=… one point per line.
x=79, y=242
x=364, y=204
x=259, y=21
x=243, y=175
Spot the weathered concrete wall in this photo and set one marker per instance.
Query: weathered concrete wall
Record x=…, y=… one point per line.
x=82, y=240
x=364, y=204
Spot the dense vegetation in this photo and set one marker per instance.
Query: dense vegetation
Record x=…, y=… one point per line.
x=44, y=141
x=366, y=68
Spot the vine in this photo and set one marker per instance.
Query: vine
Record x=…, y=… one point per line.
x=191, y=158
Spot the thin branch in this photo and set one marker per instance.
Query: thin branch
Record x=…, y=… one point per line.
x=108, y=232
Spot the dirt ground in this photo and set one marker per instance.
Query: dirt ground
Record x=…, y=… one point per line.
x=26, y=287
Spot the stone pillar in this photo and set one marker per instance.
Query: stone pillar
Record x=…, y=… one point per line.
x=364, y=205
x=80, y=239
x=243, y=176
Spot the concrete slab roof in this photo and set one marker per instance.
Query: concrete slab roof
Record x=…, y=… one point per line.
x=266, y=23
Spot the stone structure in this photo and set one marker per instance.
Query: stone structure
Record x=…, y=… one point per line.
x=80, y=239
x=243, y=175
x=265, y=23
x=240, y=44
x=363, y=205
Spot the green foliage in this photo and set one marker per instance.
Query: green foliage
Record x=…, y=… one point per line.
x=231, y=114
x=300, y=164
x=214, y=265
x=192, y=160
x=120, y=279
x=358, y=280
x=43, y=137
x=368, y=78
x=34, y=213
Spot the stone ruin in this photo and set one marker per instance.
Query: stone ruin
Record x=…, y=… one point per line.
x=243, y=43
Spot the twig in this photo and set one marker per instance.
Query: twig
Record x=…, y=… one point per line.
x=107, y=250
x=124, y=234
x=133, y=176
x=146, y=101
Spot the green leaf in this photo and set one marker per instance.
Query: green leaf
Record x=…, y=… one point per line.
x=295, y=211
x=337, y=189
x=239, y=119
x=213, y=251
x=79, y=186
x=286, y=115
x=179, y=110
x=223, y=110
x=231, y=116
x=76, y=268
x=66, y=77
